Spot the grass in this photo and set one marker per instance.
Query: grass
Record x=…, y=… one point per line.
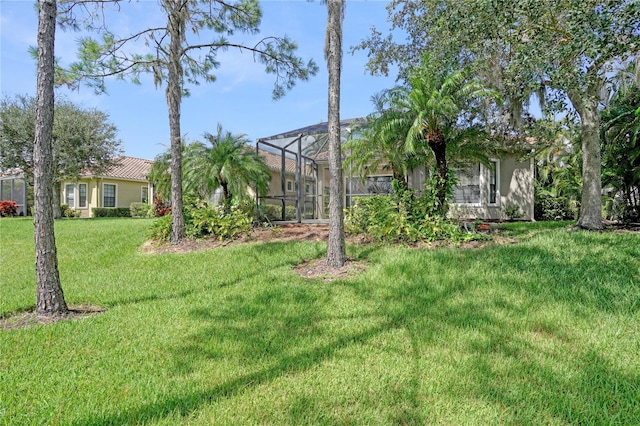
x=545, y=331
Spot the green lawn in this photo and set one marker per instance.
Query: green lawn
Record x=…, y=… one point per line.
x=545, y=331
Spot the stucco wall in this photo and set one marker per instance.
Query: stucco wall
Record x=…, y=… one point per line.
x=516, y=188
x=127, y=192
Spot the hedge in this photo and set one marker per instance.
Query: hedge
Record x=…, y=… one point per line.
x=111, y=212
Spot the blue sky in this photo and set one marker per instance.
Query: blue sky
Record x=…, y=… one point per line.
x=240, y=98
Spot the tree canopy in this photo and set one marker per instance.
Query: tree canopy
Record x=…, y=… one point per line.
x=82, y=138
x=561, y=50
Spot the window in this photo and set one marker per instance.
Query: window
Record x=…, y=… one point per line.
x=372, y=185
x=478, y=184
x=69, y=198
x=144, y=197
x=108, y=195
x=494, y=182
x=82, y=195
x=467, y=189
x=289, y=185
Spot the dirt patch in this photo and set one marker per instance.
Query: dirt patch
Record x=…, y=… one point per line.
x=277, y=233
x=30, y=318
x=319, y=269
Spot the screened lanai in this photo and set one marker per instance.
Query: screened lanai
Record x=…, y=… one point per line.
x=303, y=156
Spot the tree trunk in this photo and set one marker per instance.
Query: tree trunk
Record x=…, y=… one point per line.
x=591, y=199
x=401, y=178
x=438, y=145
x=336, y=251
x=176, y=28
x=226, y=200
x=49, y=295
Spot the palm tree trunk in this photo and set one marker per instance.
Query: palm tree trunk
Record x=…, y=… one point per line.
x=49, y=295
x=226, y=202
x=436, y=142
x=400, y=178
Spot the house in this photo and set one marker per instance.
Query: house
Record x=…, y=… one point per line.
x=120, y=185
x=482, y=191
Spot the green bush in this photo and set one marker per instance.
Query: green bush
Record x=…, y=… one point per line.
x=204, y=220
x=383, y=219
x=402, y=217
x=547, y=207
x=161, y=228
x=139, y=209
x=68, y=211
x=111, y=212
x=274, y=212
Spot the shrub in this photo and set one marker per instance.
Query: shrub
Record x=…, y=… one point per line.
x=512, y=212
x=547, y=207
x=68, y=212
x=161, y=228
x=160, y=208
x=384, y=220
x=8, y=208
x=111, y=212
x=274, y=212
x=139, y=209
x=402, y=217
x=205, y=220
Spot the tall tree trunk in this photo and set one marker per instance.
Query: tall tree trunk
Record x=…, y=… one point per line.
x=49, y=295
x=437, y=143
x=591, y=199
x=400, y=177
x=336, y=251
x=176, y=28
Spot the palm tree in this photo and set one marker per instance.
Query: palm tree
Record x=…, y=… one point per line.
x=160, y=176
x=381, y=145
x=226, y=162
x=432, y=109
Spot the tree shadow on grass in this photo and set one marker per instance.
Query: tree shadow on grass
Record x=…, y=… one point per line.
x=510, y=359
x=532, y=369
x=185, y=405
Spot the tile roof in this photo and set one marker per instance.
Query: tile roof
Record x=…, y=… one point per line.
x=274, y=161
x=129, y=168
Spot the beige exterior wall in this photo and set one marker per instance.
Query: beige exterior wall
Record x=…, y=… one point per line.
x=127, y=192
x=515, y=188
x=514, y=180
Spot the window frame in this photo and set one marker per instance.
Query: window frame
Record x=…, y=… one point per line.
x=496, y=171
x=484, y=183
x=144, y=194
x=86, y=196
x=115, y=195
x=72, y=186
x=480, y=187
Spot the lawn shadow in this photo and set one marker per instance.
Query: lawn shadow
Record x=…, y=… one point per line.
x=487, y=319
x=502, y=339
